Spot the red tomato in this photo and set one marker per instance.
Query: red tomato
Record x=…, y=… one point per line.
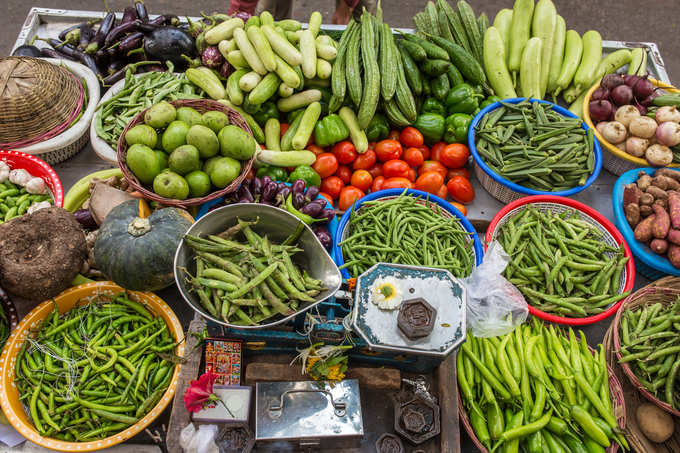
x=414, y=157
x=442, y=192
x=395, y=168
x=348, y=195
x=327, y=197
x=371, y=145
x=375, y=170
x=316, y=149
x=377, y=183
x=393, y=135
x=345, y=152
x=387, y=150
x=458, y=172
x=397, y=183
x=411, y=136
x=332, y=186
x=459, y=206
x=411, y=175
x=325, y=165
x=430, y=181
x=454, y=155
x=364, y=161
x=426, y=152
x=430, y=165
x=436, y=150
x=362, y=180
x=284, y=128
x=344, y=172
x=460, y=189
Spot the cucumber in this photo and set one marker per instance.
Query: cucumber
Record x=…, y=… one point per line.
x=592, y=54
x=529, y=77
x=338, y=83
x=272, y=134
x=306, y=126
x=308, y=51
x=353, y=69
x=494, y=64
x=502, y=22
x=262, y=47
x=427, y=91
x=225, y=46
x=413, y=49
x=248, y=51
x=288, y=159
x=325, y=51
x=287, y=138
x=286, y=73
x=236, y=59
x=520, y=32
x=557, y=55
x=573, y=48
x=266, y=18
x=298, y=100
x=267, y=87
x=281, y=46
x=249, y=81
x=323, y=68
x=403, y=96
x=298, y=71
x=356, y=134
x=292, y=36
x=314, y=24
x=224, y=30
x=413, y=77
x=289, y=25
x=454, y=75
x=234, y=92
x=469, y=21
x=285, y=90
x=388, y=78
x=394, y=115
x=463, y=60
x=371, y=90
x=335, y=103
x=440, y=87
x=638, y=62
x=255, y=128
x=432, y=51
x=435, y=68
x=253, y=21
x=543, y=27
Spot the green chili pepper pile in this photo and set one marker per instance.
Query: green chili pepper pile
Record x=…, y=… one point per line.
x=140, y=93
x=650, y=342
x=15, y=201
x=560, y=263
x=537, y=388
x=531, y=145
x=94, y=370
x=406, y=230
x=246, y=283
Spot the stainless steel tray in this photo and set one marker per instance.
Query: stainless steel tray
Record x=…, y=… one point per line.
x=48, y=22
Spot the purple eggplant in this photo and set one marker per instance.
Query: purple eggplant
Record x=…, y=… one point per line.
x=131, y=41
x=269, y=190
x=84, y=217
x=327, y=214
x=312, y=193
x=282, y=185
x=298, y=187
x=282, y=195
x=120, y=74
x=242, y=15
x=99, y=37
x=169, y=43
x=115, y=65
x=323, y=236
x=86, y=34
x=256, y=186
x=129, y=14
x=27, y=51
x=159, y=21
x=244, y=195
x=195, y=28
x=226, y=70
x=73, y=52
x=266, y=180
x=212, y=57
x=142, y=14
x=73, y=37
x=121, y=30
x=52, y=53
x=314, y=208
x=298, y=200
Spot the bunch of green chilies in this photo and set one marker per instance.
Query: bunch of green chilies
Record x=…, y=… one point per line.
x=95, y=370
x=537, y=389
x=406, y=230
x=247, y=283
x=650, y=341
x=531, y=145
x=560, y=263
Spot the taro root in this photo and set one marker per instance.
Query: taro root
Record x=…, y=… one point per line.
x=41, y=253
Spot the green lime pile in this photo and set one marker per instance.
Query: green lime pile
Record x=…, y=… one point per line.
x=181, y=154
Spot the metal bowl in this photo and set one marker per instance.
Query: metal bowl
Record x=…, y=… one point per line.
x=277, y=224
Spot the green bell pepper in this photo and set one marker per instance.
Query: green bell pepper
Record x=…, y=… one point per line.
x=462, y=99
x=456, y=128
x=378, y=128
x=433, y=105
x=431, y=125
x=276, y=173
x=330, y=130
x=488, y=101
x=267, y=111
x=307, y=174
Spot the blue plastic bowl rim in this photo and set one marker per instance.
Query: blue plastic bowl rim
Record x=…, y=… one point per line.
x=597, y=149
x=640, y=251
x=467, y=226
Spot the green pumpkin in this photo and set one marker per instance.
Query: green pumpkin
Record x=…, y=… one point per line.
x=137, y=252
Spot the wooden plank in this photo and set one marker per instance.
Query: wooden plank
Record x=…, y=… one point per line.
x=180, y=417
x=371, y=378
x=448, y=403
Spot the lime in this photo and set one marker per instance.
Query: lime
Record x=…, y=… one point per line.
x=199, y=183
x=184, y=159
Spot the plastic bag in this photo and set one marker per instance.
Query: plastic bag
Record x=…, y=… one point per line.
x=201, y=441
x=494, y=305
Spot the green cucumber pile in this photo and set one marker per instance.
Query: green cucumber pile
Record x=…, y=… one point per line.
x=96, y=369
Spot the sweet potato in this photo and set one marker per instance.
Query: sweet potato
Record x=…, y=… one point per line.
x=662, y=203
x=646, y=199
x=668, y=172
x=674, y=255
x=631, y=195
x=665, y=183
x=662, y=222
x=632, y=212
x=643, y=230
x=673, y=236
x=645, y=210
x=659, y=246
x=674, y=208
x=657, y=193
x=644, y=181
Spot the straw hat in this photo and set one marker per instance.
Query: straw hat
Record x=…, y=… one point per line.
x=35, y=97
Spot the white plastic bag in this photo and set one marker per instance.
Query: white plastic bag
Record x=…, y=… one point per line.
x=494, y=305
x=201, y=441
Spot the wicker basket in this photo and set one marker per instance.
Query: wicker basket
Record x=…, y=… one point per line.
x=618, y=405
x=202, y=106
x=648, y=295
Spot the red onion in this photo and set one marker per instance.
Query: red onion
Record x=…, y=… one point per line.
x=600, y=93
x=643, y=88
x=600, y=110
x=611, y=81
x=622, y=95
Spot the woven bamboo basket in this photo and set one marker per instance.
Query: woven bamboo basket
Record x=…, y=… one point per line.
x=202, y=106
x=618, y=405
x=645, y=296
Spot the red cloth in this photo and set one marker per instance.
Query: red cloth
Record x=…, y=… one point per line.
x=247, y=6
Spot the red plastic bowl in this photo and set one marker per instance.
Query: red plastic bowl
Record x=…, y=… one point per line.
x=36, y=167
x=604, y=223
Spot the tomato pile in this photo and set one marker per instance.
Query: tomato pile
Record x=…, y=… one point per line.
x=400, y=161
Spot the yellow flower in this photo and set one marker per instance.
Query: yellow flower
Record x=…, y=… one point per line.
x=334, y=373
x=310, y=363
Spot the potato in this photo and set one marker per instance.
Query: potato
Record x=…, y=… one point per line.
x=632, y=214
x=646, y=199
x=645, y=210
x=657, y=193
x=644, y=180
x=654, y=422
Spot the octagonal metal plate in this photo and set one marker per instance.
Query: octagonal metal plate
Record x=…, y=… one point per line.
x=438, y=287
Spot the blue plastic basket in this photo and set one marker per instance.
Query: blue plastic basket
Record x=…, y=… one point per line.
x=331, y=226
x=507, y=191
x=390, y=193
x=648, y=263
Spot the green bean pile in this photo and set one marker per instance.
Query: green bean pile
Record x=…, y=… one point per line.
x=406, y=230
x=531, y=145
x=15, y=201
x=247, y=282
x=140, y=93
x=560, y=262
x=650, y=341
x=94, y=370
x=537, y=389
